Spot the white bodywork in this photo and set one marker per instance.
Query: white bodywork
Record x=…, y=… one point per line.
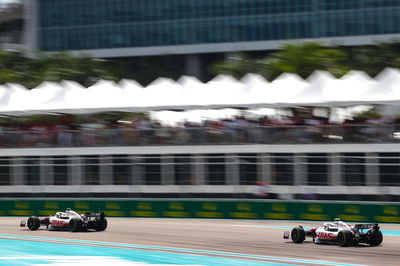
x=328, y=231
x=61, y=219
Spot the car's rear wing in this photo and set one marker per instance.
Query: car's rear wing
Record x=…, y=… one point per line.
x=100, y=215
x=366, y=226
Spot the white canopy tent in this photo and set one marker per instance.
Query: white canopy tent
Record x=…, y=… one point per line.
x=386, y=90
x=284, y=87
x=47, y=95
x=193, y=92
x=350, y=89
x=316, y=93
x=132, y=93
x=188, y=93
x=16, y=100
x=256, y=90
x=224, y=91
x=163, y=94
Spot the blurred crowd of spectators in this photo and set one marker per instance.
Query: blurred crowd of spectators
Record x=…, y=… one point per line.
x=66, y=132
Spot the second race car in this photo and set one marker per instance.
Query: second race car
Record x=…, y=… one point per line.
x=339, y=233
x=69, y=221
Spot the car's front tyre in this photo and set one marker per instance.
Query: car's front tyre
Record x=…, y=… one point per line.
x=298, y=235
x=33, y=223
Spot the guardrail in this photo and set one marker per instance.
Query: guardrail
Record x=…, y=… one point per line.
x=212, y=209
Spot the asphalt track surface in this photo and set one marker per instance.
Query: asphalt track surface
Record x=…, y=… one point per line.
x=259, y=240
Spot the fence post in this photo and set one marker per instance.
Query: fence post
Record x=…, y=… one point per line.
x=371, y=169
x=299, y=169
x=75, y=175
x=264, y=168
x=167, y=170
x=198, y=170
x=105, y=167
x=335, y=170
x=46, y=171
x=17, y=171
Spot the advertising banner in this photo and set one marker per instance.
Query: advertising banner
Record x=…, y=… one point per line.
x=212, y=209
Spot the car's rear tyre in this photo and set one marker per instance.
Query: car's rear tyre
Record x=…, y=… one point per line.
x=101, y=225
x=75, y=225
x=376, y=239
x=298, y=235
x=345, y=238
x=33, y=223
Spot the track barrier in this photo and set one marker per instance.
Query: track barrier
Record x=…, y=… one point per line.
x=212, y=209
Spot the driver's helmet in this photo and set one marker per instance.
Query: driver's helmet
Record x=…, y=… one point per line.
x=61, y=214
x=329, y=225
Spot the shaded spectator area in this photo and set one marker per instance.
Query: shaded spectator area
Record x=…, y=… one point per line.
x=138, y=129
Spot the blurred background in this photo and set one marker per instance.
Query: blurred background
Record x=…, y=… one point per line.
x=286, y=151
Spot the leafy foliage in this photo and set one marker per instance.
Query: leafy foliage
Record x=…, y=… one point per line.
x=301, y=59
x=30, y=72
x=307, y=57
x=238, y=65
x=372, y=59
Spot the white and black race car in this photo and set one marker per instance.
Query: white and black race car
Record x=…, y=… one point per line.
x=68, y=221
x=338, y=233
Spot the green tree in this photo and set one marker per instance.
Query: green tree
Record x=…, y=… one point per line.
x=12, y=66
x=238, y=65
x=30, y=72
x=301, y=59
x=64, y=66
x=374, y=58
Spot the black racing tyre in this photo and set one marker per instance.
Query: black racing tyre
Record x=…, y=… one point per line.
x=101, y=225
x=75, y=225
x=33, y=223
x=376, y=239
x=298, y=235
x=345, y=238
